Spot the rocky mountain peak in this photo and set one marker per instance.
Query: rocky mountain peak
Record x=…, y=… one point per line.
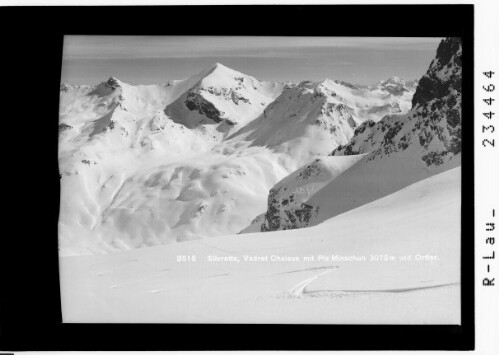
x=65, y=87
x=443, y=75
x=220, y=74
x=394, y=85
x=433, y=124
x=395, y=80
x=114, y=83
x=219, y=66
x=349, y=85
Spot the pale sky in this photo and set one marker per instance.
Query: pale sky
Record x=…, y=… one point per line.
x=157, y=59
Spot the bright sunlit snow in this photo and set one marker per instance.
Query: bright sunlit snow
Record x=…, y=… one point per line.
x=222, y=198
x=150, y=285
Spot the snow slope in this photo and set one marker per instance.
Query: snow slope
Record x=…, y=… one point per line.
x=290, y=193
x=107, y=133
x=420, y=221
x=394, y=152
x=117, y=145
x=190, y=198
x=312, y=118
x=193, y=158
x=408, y=148
x=222, y=101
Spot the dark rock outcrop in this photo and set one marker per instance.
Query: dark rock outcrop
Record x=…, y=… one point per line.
x=290, y=218
x=64, y=127
x=444, y=74
x=196, y=102
x=65, y=87
x=113, y=83
x=434, y=122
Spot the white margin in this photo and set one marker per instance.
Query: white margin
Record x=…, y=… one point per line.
x=486, y=160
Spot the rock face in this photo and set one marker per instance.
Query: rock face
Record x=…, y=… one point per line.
x=196, y=102
x=395, y=86
x=65, y=87
x=286, y=206
x=444, y=75
x=220, y=99
x=64, y=127
x=286, y=209
x=114, y=83
x=433, y=124
x=283, y=211
x=394, y=152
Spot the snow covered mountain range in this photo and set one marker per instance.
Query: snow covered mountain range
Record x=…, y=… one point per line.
x=281, y=195
x=156, y=164
x=382, y=157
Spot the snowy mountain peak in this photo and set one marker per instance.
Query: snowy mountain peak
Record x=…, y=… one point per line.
x=392, y=81
x=220, y=76
x=218, y=69
x=65, y=87
x=221, y=95
x=219, y=66
x=113, y=82
x=394, y=85
x=395, y=80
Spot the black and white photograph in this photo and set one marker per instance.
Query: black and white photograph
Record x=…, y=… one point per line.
x=282, y=180
x=237, y=176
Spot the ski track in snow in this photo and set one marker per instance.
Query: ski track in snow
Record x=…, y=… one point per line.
x=308, y=269
x=346, y=292
x=299, y=288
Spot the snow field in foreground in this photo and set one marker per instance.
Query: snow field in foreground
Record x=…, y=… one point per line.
x=421, y=220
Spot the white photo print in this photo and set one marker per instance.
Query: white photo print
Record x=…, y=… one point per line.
x=311, y=180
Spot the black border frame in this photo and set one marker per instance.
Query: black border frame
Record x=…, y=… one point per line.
x=30, y=314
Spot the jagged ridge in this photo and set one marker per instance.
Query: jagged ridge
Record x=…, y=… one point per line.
x=430, y=132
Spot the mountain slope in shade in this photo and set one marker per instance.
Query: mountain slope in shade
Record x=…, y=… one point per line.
x=398, y=150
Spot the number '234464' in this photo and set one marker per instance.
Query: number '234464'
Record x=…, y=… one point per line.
x=488, y=142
